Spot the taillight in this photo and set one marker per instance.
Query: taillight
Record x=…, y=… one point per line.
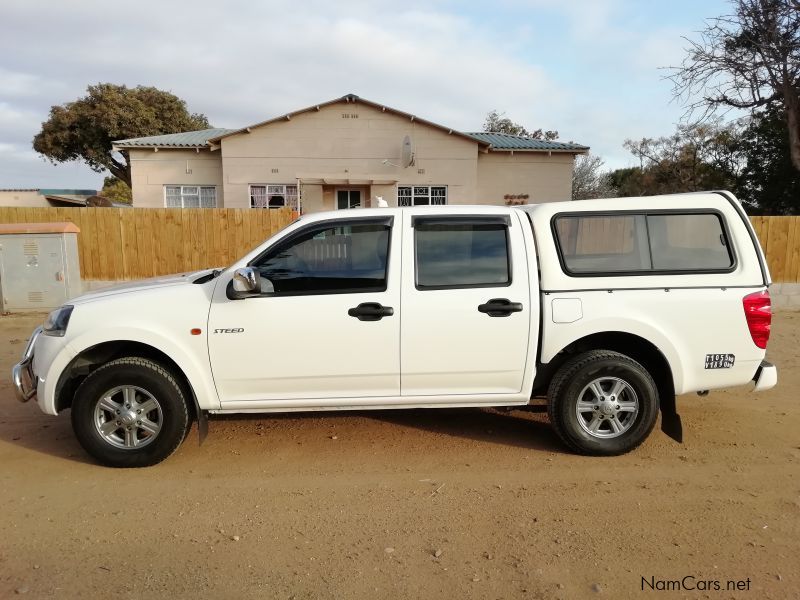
x=758, y=312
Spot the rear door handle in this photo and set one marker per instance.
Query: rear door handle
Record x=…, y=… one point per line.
x=370, y=311
x=500, y=307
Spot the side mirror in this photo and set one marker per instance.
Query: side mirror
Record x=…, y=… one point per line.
x=246, y=282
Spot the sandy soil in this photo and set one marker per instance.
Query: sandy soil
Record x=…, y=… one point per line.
x=408, y=504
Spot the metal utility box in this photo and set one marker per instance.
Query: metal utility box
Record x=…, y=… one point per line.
x=39, y=267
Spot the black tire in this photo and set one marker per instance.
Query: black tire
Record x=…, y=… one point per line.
x=153, y=379
x=569, y=386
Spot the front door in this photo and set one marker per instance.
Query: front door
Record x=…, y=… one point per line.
x=467, y=304
x=326, y=325
x=348, y=199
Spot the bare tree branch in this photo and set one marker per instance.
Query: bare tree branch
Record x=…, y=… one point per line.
x=746, y=60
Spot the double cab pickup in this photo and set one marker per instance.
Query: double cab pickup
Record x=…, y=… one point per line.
x=606, y=308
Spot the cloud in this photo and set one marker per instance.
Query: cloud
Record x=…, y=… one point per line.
x=21, y=167
x=570, y=66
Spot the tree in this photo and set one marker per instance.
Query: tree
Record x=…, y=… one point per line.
x=589, y=180
x=84, y=129
x=628, y=181
x=747, y=60
x=497, y=122
x=698, y=156
x=116, y=190
x=769, y=183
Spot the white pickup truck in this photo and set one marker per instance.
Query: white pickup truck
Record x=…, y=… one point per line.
x=609, y=308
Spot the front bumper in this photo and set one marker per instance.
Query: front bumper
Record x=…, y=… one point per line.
x=25, y=381
x=766, y=376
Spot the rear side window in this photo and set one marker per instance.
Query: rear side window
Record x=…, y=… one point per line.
x=453, y=255
x=606, y=244
x=688, y=242
x=642, y=243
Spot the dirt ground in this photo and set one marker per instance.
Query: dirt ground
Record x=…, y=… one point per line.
x=409, y=504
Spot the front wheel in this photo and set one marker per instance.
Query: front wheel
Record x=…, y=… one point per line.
x=603, y=403
x=130, y=412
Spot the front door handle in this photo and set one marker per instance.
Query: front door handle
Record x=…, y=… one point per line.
x=370, y=311
x=500, y=307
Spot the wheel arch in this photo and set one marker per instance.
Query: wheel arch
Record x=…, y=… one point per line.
x=642, y=350
x=98, y=354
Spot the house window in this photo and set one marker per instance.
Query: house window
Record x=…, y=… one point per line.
x=273, y=196
x=190, y=196
x=348, y=199
x=421, y=195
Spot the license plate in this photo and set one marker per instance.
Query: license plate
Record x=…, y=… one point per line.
x=719, y=361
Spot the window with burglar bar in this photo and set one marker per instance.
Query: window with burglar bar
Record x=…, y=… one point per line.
x=190, y=196
x=273, y=196
x=421, y=195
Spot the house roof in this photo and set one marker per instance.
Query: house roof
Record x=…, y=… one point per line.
x=65, y=200
x=506, y=141
x=487, y=141
x=56, y=191
x=348, y=98
x=187, y=139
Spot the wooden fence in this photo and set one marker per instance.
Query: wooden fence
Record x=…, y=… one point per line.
x=780, y=239
x=128, y=243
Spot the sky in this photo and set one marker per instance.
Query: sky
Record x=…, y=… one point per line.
x=591, y=69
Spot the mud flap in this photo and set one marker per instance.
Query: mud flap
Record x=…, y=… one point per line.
x=202, y=420
x=202, y=425
x=670, y=419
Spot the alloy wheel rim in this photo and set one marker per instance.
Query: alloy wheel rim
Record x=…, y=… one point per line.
x=128, y=417
x=607, y=407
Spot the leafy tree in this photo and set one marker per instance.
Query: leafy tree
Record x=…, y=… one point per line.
x=698, y=156
x=83, y=130
x=628, y=181
x=747, y=60
x=769, y=183
x=589, y=180
x=116, y=190
x=497, y=122
x=750, y=157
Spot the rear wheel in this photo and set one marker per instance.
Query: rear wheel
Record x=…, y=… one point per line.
x=130, y=412
x=603, y=403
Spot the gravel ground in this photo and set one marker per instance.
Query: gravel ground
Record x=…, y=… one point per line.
x=409, y=504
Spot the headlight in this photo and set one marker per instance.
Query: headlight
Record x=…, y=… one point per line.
x=56, y=322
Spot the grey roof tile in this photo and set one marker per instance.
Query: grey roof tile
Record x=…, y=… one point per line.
x=187, y=139
x=506, y=141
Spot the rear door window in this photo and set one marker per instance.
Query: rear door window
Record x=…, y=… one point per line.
x=461, y=254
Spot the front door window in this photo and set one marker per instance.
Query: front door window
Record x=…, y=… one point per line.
x=345, y=257
x=348, y=199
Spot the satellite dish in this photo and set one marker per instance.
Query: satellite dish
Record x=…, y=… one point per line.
x=407, y=153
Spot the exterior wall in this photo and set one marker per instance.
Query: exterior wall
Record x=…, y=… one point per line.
x=345, y=145
x=313, y=198
x=151, y=171
x=326, y=145
x=544, y=178
x=31, y=198
x=785, y=296
x=387, y=192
